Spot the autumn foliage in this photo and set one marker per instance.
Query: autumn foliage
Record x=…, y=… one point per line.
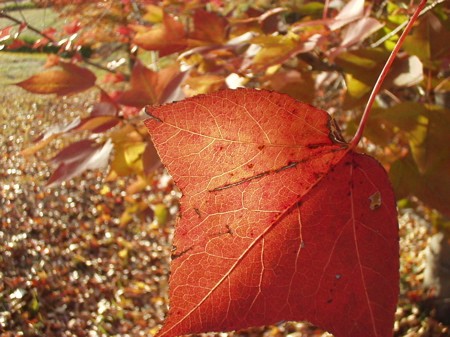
x=281, y=218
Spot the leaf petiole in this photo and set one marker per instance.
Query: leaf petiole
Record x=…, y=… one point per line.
x=359, y=132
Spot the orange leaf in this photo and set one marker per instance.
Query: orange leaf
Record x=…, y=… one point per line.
x=167, y=38
x=5, y=33
x=98, y=124
x=150, y=87
x=70, y=79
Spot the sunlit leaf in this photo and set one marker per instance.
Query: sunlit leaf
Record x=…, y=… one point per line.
x=98, y=124
x=362, y=67
x=166, y=38
x=275, y=49
x=352, y=11
x=195, y=85
x=151, y=87
x=286, y=221
x=70, y=79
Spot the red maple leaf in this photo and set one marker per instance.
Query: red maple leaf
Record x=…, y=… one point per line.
x=279, y=220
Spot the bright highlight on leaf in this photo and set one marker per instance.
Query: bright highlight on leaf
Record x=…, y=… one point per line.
x=279, y=220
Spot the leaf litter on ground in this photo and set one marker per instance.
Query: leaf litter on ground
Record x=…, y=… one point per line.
x=68, y=269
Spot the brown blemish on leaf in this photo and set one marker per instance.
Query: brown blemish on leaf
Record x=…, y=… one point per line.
x=375, y=201
x=197, y=211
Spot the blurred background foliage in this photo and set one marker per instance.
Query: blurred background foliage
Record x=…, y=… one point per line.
x=121, y=55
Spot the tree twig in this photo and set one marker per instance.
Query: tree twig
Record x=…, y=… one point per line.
x=359, y=132
x=53, y=41
x=37, y=31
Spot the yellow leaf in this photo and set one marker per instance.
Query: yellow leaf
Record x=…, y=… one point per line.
x=133, y=156
x=161, y=214
x=355, y=87
x=119, y=164
x=153, y=14
x=123, y=254
x=203, y=84
x=126, y=134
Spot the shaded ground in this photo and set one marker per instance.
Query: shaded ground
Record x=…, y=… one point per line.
x=67, y=268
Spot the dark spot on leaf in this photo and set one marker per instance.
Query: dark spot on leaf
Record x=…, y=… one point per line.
x=315, y=146
x=250, y=166
x=317, y=175
x=176, y=255
x=198, y=212
x=261, y=147
x=229, y=230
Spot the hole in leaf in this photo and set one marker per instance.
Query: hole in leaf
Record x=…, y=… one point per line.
x=375, y=201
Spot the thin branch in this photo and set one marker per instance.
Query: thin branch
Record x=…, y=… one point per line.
x=358, y=135
x=37, y=31
x=53, y=41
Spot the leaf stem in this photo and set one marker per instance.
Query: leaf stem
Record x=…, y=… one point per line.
x=358, y=135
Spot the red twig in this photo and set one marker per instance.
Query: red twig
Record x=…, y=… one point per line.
x=358, y=135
